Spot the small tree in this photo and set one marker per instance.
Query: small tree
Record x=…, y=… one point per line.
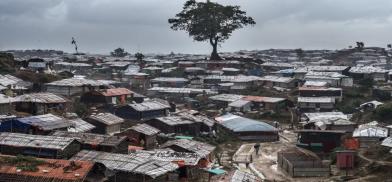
x=140, y=58
x=119, y=52
x=383, y=113
x=209, y=21
x=366, y=83
x=300, y=53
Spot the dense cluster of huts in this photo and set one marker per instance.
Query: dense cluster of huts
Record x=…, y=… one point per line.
x=120, y=119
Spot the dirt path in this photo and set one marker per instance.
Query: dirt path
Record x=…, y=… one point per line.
x=386, y=163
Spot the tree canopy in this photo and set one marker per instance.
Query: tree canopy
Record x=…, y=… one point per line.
x=140, y=58
x=210, y=21
x=119, y=52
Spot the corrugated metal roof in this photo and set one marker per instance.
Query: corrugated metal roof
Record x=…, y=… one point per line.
x=46, y=122
x=200, y=148
x=92, y=138
x=182, y=90
x=174, y=120
x=316, y=99
x=226, y=97
x=45, y=97
x=263, y=99
x=149, y=106
x=169, y=156
x=145, y=129
x=240, y=176
x=272, y=78
x=370, y=131
x=75, y=82
x=128, y=163
x=169, y=79
x=387, y=142
x=107, y=118
x=79, y=125
x=35, y=141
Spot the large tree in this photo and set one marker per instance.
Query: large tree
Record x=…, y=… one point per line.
x=210, y=21
x=119, y=52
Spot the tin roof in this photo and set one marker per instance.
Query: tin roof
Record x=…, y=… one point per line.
x=316, y=99
x=367, y=69
x=5, y=99
x=370, y=131
x=325, y=115
x=387, y=142
x=279, y=79
x=92, y=138
x=127, y=163
x=174, y=120
x=43, y=97
x=169, y=156
x=34, y=141
x=79, y=125
x=169, y=79
x=200, y=148
x=240, y=176
x=76, y=82
x=226, y=97
x=197, y=118
x=239, y=103
x=263, y=99
x=46, y=122
x=145, y=129
x=236, y=78
x=149, y=105
x=106, y=118
x=182, y=90
x=7, y=80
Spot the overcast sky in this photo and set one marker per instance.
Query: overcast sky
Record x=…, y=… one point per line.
x=99, y=26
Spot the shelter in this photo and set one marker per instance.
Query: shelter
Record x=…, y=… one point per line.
x=105, y=123
x=313, y=104
x=248, y=129
x=107, y=96
x=369, y=134
x=41, y=124
x=40, y=103
x=148, y=109
x=98, y=142
x=175, y=124
x=38, y=145
x=74, y=86
x=302, y=163
x=319, y=141
x=142, y=135
x=204, y=150
x=128, y=167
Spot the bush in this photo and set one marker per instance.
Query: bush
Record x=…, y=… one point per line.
x=79, y=108
x=384, y=112
x=366, y=83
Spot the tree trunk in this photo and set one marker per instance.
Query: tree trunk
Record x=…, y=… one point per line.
x=214, y=54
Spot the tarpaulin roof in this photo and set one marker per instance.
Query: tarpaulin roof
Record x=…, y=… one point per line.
x=241, y=124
